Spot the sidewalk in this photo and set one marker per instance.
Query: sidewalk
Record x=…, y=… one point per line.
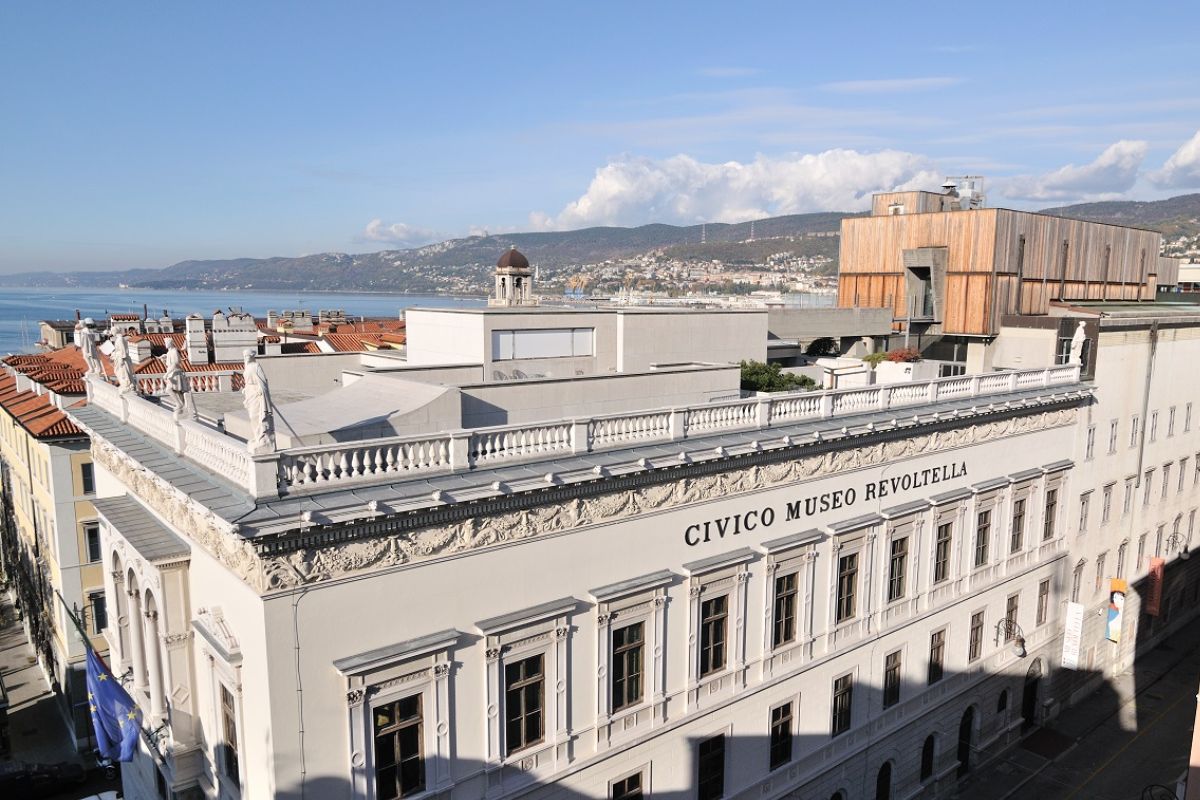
x=36, y=729
x=1132, y=732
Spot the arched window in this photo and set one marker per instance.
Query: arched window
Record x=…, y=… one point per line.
x=883, y=782
x=927, y=754
x=1002, y=703
x=838, y=796
x=966, y=735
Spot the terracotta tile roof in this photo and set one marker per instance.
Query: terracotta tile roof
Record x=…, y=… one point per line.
x=125, y=317
x=357, y=342
x=35, y=412
x=294, y=347
x=156, y=366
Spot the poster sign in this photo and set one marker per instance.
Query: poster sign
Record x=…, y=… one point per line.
x=1154, y=586
x=1072, y=636
x=1117, y=589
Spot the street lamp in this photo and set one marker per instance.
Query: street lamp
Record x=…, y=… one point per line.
x=1008, y=630
x=1176, y=541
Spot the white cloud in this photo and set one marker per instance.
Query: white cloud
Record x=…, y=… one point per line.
x=1112, y=173
x=400, y=233
x=1182, y=169
x=682, y=190
x=891, y=85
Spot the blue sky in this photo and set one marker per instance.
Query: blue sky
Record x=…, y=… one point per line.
x=140, y=134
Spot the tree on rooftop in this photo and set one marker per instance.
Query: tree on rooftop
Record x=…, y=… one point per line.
x=760, y=377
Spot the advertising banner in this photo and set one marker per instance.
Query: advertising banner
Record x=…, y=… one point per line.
x=1154, y=586
x=1072, y=636
x=1117, y=590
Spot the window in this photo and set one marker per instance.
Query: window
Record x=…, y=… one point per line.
x=847, y=580
x=524, y=695
x=927, y=755
x=1128, y=504
x=545, y=343
x=941, y=553
x=229, y=760
x=1166, y=482
x=937, y=656
x=1153, y=426
x=627, y=658
x=628, y=788
x=1043, y=603
x=1010, y=615
x=983, y=533
x=713, y=615
x=1183, y=464
x=1002, y=702
x=1017, y=537
x=1112, y=436
x=891, y=679
x=883, y=782
x=399, y=759
x=1100, y=559
x=87, y=478
x=1133, y=431
x=99, y=605
x=1076, y=580
x=1051, y=510
x=91, y=532
x=1121, y=559
x=1089, y=451
x=1148, y=482
x=1187, y=417
x=843, y=697
x=785, y=609
x=1085, y=501
x=710, y=769
x=897, y=568
x=975, y=645
x=781, y=735
x=1141, y=552
x=1106, y=504
x=1170, y=422
x=1158, y=540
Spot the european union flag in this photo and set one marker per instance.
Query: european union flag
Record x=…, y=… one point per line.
x=115, y=716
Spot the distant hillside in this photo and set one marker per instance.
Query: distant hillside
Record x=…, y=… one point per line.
x=1176, y=216
x=465, y=265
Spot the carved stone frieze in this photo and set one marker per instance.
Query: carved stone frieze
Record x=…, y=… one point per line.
x=270, y=572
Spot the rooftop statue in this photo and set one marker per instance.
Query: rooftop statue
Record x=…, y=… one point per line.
x=122, y=363
x=87, y=344
x=177, y=380
x=256, y=397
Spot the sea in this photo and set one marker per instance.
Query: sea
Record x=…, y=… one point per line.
x=22, y=309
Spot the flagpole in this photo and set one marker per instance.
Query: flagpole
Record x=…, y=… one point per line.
x=87, y=641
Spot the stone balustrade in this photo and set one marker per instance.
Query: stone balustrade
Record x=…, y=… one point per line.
x=388, y=459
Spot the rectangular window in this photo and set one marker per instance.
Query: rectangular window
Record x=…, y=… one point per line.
x=1153, y=426
x=399, y=749
x=937, y=656
x=1187, y=417
x=1076, y=581
x=897, y=568
x=1196, y=472
x=1010, y=615
x=1183, y=465
x=1085, y=501
x=1121, y=560
x=847, y=584
x=975, y=644
x=1113, y=428
x=1106, y=505
x=891, y=679
x=229, y=760
x=714, y=614
x=627, y=658
x=1141, y=559
x=1158, y=541
x=99, y=605
x=843, y=697
x=628, y=788
x=1133, y=431
x=1043, y=603
x=1017, y=537
x=91, y=532
x=710, y=769
x=983, y=535
x=87, y=478
x=941, y=552
x=781, y=735
x=1128, y=503
x=1170, y=422
x=1166, y=482
x=1051, y=511
x=542, y=343
x=1100, y=559
x=1090, y=448
x=524, y=695
x=1147, y=483
x=785, y=609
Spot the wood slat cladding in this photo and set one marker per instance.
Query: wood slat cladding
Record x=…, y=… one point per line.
x=999, y=262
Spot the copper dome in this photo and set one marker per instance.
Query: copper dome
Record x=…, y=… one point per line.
x=513, y=259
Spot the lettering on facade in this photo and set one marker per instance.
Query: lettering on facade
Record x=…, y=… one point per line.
x=833, y=500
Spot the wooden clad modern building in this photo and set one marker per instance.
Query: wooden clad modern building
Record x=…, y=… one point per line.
x=960, y=271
